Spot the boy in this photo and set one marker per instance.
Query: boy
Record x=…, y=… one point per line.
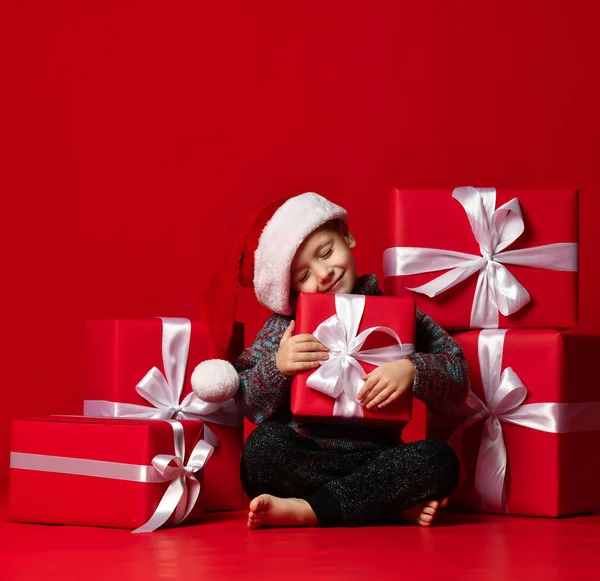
x=332, y=475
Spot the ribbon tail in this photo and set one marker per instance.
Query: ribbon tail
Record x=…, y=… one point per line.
x=491, y=467
x=484, y=312
x=167, y=505
x=442, y=283
x=346, y=405
x=328, y=377
x=189, y=501
x=182, y=510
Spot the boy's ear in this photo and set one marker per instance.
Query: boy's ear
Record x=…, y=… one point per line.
x=348, y=236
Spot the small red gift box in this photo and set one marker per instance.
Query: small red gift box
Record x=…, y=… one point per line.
x=101, y=471
x=525, y=434
x=477, y=256
x=160, y=354
x=344, y=321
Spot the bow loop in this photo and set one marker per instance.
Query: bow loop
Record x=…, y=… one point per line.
x=509, y=295
x=155, y=389
x=479, y=206
x=507, y=225
x=332, y=334
x=329, y=379
x=169, y=467
x=511, y=393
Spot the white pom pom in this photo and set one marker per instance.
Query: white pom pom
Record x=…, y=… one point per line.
x=215, y=380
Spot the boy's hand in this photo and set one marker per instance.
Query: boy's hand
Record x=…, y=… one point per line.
x=386, y=383
x=299, y=352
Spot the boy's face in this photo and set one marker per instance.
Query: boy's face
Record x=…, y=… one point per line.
x=324, y=262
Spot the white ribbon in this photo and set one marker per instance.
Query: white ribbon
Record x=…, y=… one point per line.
x=164, y=391
x=180, y=496
x=494, y=229
x=184, y=489
x=340, y=376
x=504, y=395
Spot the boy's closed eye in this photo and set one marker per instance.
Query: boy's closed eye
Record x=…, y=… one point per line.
x=326, y=254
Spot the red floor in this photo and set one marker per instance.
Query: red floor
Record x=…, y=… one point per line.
x=461, y=547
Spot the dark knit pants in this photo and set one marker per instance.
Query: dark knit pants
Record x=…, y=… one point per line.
x=346, y=488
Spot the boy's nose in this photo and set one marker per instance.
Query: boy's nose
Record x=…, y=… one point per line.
x=325, y=273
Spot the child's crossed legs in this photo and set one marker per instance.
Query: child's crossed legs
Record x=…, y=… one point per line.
x=355, y=488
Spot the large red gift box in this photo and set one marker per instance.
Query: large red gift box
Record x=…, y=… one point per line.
x=309, y=405
x=94, y=471
x=549, y=465
x=118, y=355
x=435, y=219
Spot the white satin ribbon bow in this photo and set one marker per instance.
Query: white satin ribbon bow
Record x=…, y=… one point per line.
x=164, y=391
x=504, y=395
x=340, y=376
x=494, y=229
x=184, y=489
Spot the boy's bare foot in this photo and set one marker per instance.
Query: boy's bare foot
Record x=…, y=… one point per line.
x=422, y=514
x=272, y=511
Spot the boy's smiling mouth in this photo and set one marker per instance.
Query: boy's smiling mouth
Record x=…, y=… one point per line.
x=334, y=286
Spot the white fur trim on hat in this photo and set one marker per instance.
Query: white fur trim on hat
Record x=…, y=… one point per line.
x=282, y=236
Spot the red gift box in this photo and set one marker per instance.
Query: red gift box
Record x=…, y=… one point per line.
x=548, y=436
x=435, y=219
x=118, y=356
x=397, y=314
x=99, y=471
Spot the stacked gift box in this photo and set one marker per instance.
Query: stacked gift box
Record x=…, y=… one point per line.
x=498, y=269
x=147, y=452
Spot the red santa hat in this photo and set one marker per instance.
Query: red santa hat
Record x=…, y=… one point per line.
x=261, y=257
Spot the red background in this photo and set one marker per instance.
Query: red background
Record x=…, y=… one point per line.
x=136, y=135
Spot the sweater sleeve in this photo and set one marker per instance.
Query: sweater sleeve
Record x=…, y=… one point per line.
x=263, y=389
x=441, y=372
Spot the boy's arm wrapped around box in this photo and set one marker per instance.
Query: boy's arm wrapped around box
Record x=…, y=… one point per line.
x=263, y=389
x=441, y=372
